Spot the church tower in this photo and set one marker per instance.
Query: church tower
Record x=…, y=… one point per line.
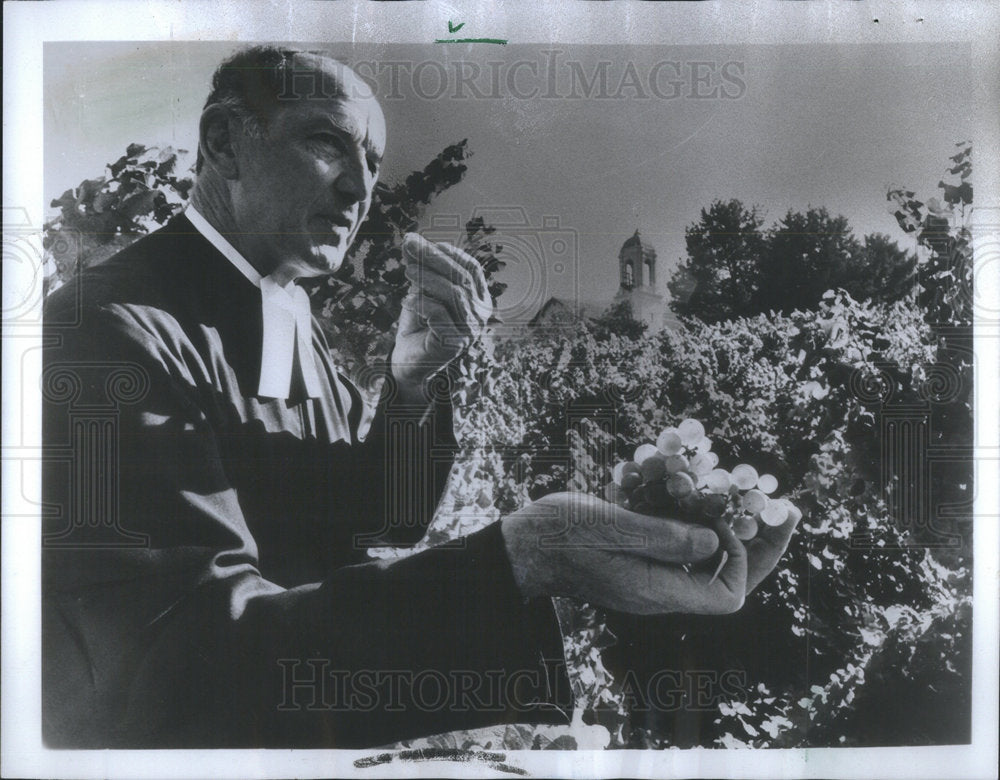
x=637, y=282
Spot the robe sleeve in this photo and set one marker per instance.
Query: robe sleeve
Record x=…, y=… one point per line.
x=411, y=447
x=160, y=631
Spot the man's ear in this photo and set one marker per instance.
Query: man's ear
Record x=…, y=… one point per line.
x=215, y=139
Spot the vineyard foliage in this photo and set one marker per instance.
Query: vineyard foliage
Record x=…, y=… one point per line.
x=856, y=610
x=862, y=635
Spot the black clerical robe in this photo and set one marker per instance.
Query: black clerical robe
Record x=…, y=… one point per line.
x=205, y=577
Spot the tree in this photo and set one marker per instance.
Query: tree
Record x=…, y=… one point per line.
x=808, y=254
x=890, y=272
x=734, y=269
x=721, y=276
x=825, y=642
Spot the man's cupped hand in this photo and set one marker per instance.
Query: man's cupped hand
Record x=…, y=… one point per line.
x=576, y=545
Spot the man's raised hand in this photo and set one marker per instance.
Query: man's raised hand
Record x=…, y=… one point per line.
x=446, y=308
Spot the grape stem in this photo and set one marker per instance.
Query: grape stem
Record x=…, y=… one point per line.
x=722, y=562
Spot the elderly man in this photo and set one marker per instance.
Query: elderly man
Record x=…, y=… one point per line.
x=211, y=495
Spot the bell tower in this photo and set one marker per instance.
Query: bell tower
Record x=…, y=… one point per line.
x=637, y=281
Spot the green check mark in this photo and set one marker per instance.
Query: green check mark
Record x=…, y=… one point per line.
x=454, y=28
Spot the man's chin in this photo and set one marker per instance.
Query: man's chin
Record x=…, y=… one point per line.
x=326, y=260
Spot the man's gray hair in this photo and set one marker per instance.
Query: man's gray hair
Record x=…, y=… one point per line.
x=254, y=81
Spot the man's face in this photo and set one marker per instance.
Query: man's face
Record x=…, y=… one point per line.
x=304, y=188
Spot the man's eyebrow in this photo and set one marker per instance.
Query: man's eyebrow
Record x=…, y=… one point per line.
x=349, y=129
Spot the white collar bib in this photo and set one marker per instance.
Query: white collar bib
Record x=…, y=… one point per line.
x=287, y=321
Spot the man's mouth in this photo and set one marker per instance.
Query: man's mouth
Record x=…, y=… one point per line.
x=335, y=224
x=335, y=220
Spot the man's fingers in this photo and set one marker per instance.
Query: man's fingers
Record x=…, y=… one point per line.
x=698, y=590
x=465, y=314
x=766, y=548
x=441, y=329
x=442, y=290
x=665, y=540
x=445, y=287
x=449, y=313
x=734, y=573
x=470, y=264
x=419, y=254
x=706, y=592
x=423, y=259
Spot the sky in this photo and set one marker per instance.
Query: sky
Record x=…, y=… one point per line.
x=566, y=164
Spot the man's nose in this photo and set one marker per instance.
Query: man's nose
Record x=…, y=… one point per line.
x=351, y=183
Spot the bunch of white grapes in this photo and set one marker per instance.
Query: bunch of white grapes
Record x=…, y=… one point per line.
x=679, y=476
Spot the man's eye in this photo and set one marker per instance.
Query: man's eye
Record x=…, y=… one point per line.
x=331, y=140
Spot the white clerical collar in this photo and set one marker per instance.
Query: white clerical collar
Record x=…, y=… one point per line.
x=287, y=321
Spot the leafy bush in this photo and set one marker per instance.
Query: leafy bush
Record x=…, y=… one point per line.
x=139, y=192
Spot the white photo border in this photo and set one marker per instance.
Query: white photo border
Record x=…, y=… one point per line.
x=27, y=26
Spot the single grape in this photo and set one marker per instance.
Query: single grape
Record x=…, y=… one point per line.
x=704, y=444
x=637, y=496
x=631, y=480
x=745, y=476
x=745, y=528
x=754, y=501
x=654, y=468
x=676, y=463
x=680, y=485
x=669, y=442
x=691, y=431
x=644, y=451
x=484, y=500
x=718, y=481
x=703, y=462
x=715, y=504
x=774, y=514
x=619, y=471
x=692, y=503
x=656, y=494
x=793, y=511
x=767, y=483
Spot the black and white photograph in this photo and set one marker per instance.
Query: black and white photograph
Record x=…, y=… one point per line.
x=424, y=389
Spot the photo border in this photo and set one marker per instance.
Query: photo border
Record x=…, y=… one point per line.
x=28, y=25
